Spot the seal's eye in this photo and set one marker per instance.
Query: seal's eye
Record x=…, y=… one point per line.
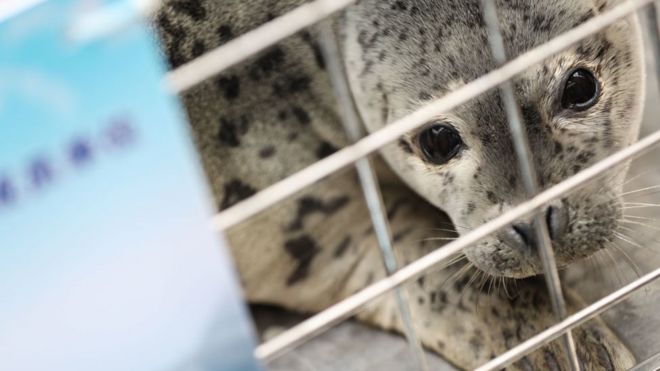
x=439, y=143
x=581, y=90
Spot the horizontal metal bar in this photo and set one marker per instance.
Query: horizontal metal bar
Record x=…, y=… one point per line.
x=651, y=364
x=348, y=155
x=349, y=306
x=570, y=322
x=251, y=43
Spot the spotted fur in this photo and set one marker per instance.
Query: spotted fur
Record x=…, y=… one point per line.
x=262, y=120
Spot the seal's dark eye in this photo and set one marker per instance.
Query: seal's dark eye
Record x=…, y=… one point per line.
x=439, y=143
x=581, y=90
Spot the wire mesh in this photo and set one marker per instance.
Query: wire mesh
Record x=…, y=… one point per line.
x=270, y=33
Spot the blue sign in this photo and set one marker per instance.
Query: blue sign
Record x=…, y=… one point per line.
x=107, y=260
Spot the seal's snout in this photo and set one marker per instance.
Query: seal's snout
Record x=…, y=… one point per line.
x=521, y=235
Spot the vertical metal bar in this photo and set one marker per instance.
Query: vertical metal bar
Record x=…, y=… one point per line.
x=351, y=121
x=530, y=180
x=653, y=29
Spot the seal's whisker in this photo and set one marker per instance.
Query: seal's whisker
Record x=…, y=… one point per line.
x=439, y=239
x=645, y=248
x=461, y=257
x=451, y=224
x=628, y=258
x=640, y=224
x=456, y=275
x=490, y=285
x=636, y=176
x=627, y=239
x=619, y=272
x=473, y=278
x=627, y=216
x=602, y=263
x=640, y=204
x=484, y=278
x=442, y=230
x=655, y=189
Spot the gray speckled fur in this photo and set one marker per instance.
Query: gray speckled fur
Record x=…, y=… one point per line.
x=265, y=119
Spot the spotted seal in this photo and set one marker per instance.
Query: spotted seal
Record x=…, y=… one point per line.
x=275, y=114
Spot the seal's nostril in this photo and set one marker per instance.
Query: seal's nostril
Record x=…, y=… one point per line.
x=519, y=236
x=526, y=233
x=557, y=219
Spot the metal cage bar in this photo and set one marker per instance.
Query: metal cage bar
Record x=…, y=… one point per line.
x=529, y=177
x=367, y=178
x=270, y=33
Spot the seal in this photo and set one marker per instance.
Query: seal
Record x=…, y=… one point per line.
x=263, y=120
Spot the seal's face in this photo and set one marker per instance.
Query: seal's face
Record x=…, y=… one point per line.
x=578, y=107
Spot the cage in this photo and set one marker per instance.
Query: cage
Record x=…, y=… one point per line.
x=634, y=322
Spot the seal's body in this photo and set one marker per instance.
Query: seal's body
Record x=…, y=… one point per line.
x=271, y=116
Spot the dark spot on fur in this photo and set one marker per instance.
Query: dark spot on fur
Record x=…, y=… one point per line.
x=230, y=86
x=198, y=49
x=512, y=181
x=491, y=197
x=311, y=205
x=318, y=55
x=524, y=364
x=267, y=152
x=303, y=249
x=192, y=8
x=551, y=361
x=301, y=115
x=342, y=247
x=398, y=236
x=405, y=146
x=394, y=208
x=604, y=359
x=271, y=60
x=424, y=96
x=225, y=33
x=325, y=149
x=230, y=131
x=476, y=344
x=585, y=17
x=291, y=84
x=176, y=35
x=234, y=192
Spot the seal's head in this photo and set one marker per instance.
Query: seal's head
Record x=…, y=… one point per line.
x=578, y=107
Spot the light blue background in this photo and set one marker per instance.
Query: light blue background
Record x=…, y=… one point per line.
x=113, y=265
